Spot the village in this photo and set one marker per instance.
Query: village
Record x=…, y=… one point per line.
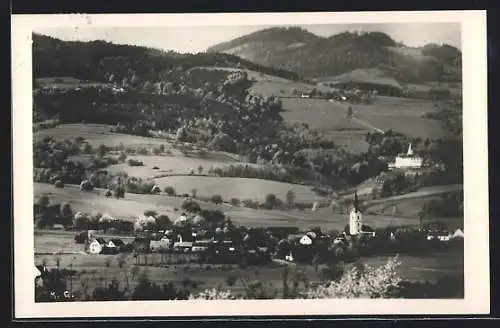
x=191, y=237
x=189, y=169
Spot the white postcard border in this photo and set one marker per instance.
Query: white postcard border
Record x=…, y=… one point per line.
x=476, y=226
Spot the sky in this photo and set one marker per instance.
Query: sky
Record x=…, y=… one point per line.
x=195, y=39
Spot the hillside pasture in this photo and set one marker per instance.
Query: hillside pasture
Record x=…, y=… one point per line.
x=402, y=115
x=318, y=113
x=95, y=135
x=241, y=188
x=168, y=165
x=328, y=117
x=128, y=208
x=67, y=83
x=398, y=114
x=133, y=205
x=252, y=75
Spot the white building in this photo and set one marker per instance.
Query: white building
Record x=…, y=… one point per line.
x=355, y=218
x=355, y=221
x=407, y=161
x=95, y=247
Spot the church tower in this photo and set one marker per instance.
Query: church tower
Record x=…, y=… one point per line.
x=355, y=217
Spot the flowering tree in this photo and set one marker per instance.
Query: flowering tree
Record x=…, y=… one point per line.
x=213, y=294
x=362, y=281
x=144, y=223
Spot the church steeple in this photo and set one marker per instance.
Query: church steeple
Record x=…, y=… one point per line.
x=355, y=217
x=410, y=151
x=355, y=204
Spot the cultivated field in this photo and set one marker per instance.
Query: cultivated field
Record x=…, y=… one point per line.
x=399, y=114
x=95, y=135
x=241, y=188
x=134, y=205
x=175, y=164
x=67, y=83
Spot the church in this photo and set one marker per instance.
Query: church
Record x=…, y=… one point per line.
x=355, y=218
x=356, y=225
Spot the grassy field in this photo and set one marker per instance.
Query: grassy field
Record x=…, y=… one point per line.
x=176, y=164
x=67, y=83
x=241, y=188
x=134, y=205
x=93, y=268
x=95, y=135
x=399, y=114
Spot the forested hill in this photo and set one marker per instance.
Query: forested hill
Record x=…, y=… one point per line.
x=99, y=60
x=312, y=56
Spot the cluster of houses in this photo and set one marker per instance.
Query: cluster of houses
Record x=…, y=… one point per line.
x=232, y=243
x=98, y=245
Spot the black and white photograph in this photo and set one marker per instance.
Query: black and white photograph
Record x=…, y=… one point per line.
x=250, y=157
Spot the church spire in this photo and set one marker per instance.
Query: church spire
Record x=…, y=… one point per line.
x=356, y=201
x=410, y=151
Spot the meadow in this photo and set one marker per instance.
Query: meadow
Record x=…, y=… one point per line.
x=95, y=135
x=168, y=164
x=134, y=205
x=67, y=83
x=241, y=188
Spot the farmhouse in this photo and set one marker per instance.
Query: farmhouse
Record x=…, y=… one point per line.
x=96, y=246
x=161, y=245
x=183, y=246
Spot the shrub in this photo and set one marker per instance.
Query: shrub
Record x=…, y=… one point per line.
x=271, y=200
x=81, y=221
x=102, y=150
x=191, y=206
x=216, y=199
x=133, y=162
x=122, y=157
x=193, y=192
x=250, y=203
x=152, y=213
x=169, y=190
x=163, y=222
x=234, y=201
x=290, y=197
x=111, y=293
x=66, y=210
x=119, y=191
x=142, y=151
x=139, y=186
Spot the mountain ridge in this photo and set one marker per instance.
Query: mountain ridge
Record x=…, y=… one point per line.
x=312, y=56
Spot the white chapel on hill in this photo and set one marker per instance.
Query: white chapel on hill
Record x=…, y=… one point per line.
x=410, y=160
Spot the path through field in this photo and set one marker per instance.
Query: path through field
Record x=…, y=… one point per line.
x=368, y=125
